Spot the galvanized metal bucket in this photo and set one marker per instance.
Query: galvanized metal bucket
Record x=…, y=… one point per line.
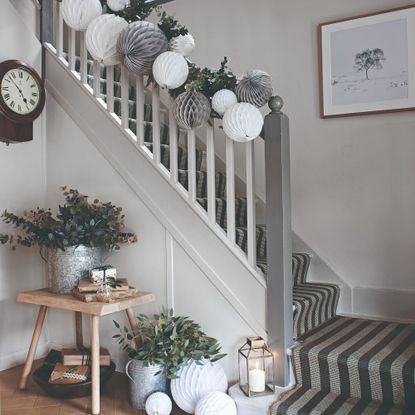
x=66, y=267
x=144, y=381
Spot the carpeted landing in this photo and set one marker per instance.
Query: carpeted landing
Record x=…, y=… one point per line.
x=352, y=366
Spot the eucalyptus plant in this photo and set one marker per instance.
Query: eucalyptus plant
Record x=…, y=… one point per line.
x=168, y=340
x=77, y=222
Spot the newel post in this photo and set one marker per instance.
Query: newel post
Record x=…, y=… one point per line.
x=279, y=249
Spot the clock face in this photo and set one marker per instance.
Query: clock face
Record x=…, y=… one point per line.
x=20, y=91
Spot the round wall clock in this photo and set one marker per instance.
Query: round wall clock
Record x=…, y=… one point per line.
x=22, y=94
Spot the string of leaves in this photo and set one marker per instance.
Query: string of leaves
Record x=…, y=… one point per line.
x=135, y=10
x=167, y=340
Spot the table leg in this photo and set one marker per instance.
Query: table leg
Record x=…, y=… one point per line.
x=133, y=324
x=79, y=332
x=33, y=346
x=95, y=364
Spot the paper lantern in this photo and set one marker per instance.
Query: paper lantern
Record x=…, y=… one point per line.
x=216, y=403
x=139, y=45
x=117, y=5
x=170, y=70
x=101, y=38
x=78, y=14
x=223, y=100
x=183, y=44
x=191, y=110
x=158, y=404
x=243, y=122
x=255, y=88
x=196, y=381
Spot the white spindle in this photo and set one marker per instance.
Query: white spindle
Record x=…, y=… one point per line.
x=173, y=144
x=83, y=70
x=155, y=104
x=124, y=97
x=191, y=165
x=71, y=48
x=59, y=24
x=139, y=105
x=230, y=189
x=96, y=71
x=211, y=174
x=110, y=88
x=251, y=199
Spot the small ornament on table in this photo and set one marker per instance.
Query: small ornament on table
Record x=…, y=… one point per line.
x=158, y=403
x=99, y=274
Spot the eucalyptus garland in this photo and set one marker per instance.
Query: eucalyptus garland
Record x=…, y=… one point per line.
x=134, y=11
x=170, y=25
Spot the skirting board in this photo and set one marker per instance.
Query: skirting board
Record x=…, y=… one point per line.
x=19, y=357
x=393, y=305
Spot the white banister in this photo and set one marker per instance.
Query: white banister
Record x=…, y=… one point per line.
x=139, y=107
x=124, y=97
x=173, y=145
x=230, y=189
x=250, y=201
x=83, y=67
x=59, y=26
x=210, y=171
x=96, y=71
x=191, y=165
x=110, y=88
x=155, y=110
x=71, y=48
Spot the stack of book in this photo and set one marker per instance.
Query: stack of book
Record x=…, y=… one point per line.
x=87, y=290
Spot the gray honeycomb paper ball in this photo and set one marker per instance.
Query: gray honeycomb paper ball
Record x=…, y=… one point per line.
x=139, y=45
x=255, y=88
x=191, y=110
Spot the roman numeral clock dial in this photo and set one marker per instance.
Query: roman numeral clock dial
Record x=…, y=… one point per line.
x=22, y=96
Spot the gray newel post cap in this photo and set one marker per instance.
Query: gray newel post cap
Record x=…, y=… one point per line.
x=275, y=104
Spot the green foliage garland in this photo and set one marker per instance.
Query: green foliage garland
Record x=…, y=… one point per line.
x=168, y=340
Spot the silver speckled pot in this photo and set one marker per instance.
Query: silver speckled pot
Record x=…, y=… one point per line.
x=144, y=381
x=66, y=268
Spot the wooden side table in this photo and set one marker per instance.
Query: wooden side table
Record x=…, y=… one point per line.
x=45, y=299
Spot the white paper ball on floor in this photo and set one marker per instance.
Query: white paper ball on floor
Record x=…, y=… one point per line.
x=216, y=403
x=158, y=403
x=170, y=70
x=254, y=88
x=183, y=44
x=117, y=5
x=78, y=14
x=101, y=38
x=195, y=382
x=243, y=122
x=223, y=100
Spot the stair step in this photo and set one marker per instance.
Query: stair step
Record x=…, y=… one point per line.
x=201, y=182
x=363, y=359
x=303, y=401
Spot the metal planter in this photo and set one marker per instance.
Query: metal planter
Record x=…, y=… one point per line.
x=66, y=267
x=144, y=381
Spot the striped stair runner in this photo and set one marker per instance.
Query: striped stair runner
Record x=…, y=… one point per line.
x=353, y=366
x=313, y=303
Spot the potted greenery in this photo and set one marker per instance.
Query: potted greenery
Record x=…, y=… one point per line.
x=73, y=241
x=160, y=347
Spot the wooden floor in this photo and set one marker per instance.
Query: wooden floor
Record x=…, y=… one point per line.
x=33, y=401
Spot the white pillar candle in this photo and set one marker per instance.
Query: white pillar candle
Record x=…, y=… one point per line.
x=257, y=380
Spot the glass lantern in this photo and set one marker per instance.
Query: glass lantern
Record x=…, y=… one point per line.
x=256, y=368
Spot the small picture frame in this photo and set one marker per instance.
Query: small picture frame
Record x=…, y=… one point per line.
x=367, y=63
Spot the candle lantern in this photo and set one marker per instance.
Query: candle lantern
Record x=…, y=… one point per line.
x=256, y=368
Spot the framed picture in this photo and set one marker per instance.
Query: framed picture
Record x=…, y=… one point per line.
x=367, y=63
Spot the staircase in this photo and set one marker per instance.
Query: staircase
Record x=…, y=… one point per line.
x=353, y=366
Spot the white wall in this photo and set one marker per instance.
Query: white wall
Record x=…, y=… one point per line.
x=22, y=187
x=352, y=178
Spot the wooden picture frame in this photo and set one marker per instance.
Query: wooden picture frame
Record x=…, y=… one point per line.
x=367, y=63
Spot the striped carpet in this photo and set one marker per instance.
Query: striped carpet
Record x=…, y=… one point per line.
x=353, y=366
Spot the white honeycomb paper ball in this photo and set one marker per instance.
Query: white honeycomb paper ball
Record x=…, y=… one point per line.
x=158, y=403
x=216, y=403
x=195, y=382
x=243, y=122
x=101, y=38
x=223, y=100
x=117, y=5
x=170, y=70
x=78, y=14
x=183, y=44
